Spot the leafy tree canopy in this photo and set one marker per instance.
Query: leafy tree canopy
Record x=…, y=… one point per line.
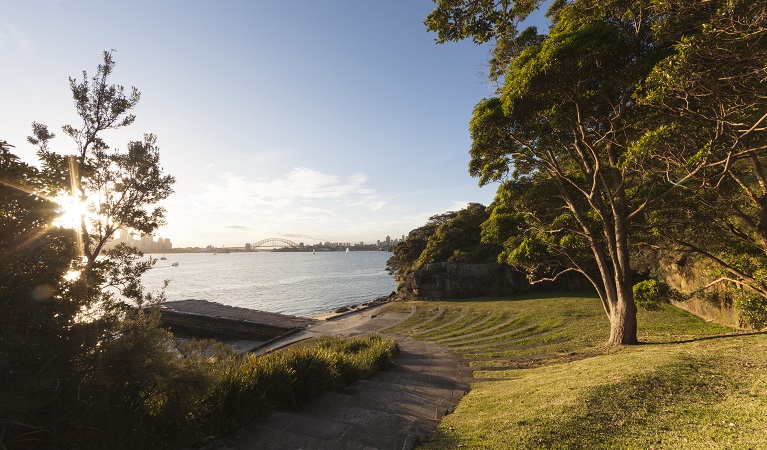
x=459, y=239
x=405, y=254
x=76, y=359
x=568, y=125
x=448, y=237
x=707, y=98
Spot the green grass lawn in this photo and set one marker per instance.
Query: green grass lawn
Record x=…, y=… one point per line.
x=689, y=385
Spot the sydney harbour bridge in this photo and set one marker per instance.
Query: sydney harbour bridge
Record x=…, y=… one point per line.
x=272, y=243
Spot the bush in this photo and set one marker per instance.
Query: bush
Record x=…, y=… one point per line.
x=290, y=378
x=142, y=392
x=752, y=308
x=651, y=294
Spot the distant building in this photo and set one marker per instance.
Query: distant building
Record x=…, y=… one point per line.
x=145, y=244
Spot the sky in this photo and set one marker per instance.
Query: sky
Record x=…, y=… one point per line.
x=311, y=121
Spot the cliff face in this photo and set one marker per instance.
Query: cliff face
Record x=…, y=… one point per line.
x=440, y=281
x=688, y=275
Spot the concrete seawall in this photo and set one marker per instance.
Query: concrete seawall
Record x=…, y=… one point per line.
x=202, y=318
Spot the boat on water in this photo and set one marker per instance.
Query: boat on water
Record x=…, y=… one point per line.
x=162, y=258
x=175, y=264
x=347, y=249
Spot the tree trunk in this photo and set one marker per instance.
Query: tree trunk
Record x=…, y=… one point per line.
x=623, y=319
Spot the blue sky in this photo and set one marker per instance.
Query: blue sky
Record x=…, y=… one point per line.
x=307, y=120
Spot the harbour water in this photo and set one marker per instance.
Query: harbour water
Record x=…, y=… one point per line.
x=299, y=284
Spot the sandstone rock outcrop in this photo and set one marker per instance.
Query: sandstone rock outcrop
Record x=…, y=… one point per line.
x=456, y=280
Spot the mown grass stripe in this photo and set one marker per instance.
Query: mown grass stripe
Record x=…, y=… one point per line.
x=460, y=316
x=494, y=336
x=440, y=312
x=463, y=330
x=482, y=331
x=414, y=320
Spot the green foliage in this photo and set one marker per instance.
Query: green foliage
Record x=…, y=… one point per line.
x=482, y=21
x=459, y=238
x=119, y=189
x=567, y=125
x=141, y=392
x=80, y=367
x=454, y=237
x=290, y=378
x=752, y=308
x=709, y=90
x=405, y=254
x=651, y=294
x=37, y=330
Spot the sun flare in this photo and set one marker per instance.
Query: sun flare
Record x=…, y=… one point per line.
x=71, y=212
x=72, y=275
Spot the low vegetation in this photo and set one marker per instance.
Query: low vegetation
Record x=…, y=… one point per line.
x=290, y=378
x=167, y=400
x=550, y=382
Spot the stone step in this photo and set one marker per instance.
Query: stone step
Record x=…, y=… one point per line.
x=401, y=402
x=437, y=394
x=361, y=411
x=300, y=431
x=447, y=379
x=394, y=409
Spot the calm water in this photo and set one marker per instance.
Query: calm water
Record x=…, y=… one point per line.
x=290, y=283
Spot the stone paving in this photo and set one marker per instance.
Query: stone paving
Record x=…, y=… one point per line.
x=394, y=409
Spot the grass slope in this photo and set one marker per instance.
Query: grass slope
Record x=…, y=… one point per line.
x=690, y=385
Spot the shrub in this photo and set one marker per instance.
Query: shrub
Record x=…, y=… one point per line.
x=651, y=294
x=752, y=308
x=290, y=378
x=145, y=393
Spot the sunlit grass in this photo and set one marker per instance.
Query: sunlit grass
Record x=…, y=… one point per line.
x=690, y=384
x=478, y=328
x=701, y=394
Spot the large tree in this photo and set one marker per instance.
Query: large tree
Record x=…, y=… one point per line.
x=567, y=119
x=74, y=355
x=108, y=189
x=708, y=97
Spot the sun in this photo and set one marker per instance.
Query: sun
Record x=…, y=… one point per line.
x=71, y=212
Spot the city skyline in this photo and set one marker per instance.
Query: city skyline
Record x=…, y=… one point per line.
x=147, y=243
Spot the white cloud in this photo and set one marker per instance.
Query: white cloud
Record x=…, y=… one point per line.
x=302, y=194
x=299, y=183
x=371, y=202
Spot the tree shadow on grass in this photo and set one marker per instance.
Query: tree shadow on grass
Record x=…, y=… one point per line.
x=618, y=415
x=705, y=338
x=585, y=294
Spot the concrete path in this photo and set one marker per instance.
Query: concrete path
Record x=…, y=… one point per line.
x=394, y=409
x=359, y=322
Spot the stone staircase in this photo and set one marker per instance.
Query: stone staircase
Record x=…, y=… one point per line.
x=392, y=410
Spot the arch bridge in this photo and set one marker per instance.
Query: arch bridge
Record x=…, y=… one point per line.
x=274, y=243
